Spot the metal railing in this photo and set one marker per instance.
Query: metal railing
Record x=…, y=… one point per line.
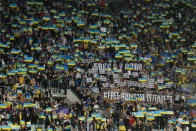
x=55, y=87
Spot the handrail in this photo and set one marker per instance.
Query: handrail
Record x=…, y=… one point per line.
x=76, y=94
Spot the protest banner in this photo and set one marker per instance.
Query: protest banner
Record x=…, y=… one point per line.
x=145, y=97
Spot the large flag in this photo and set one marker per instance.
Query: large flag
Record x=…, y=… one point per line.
x=62, y=112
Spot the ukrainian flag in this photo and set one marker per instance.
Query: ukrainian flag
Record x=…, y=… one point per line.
x=193, y=125
x=40, y=67
x=32, y=71
x=80, y=23
x=44, y=28
x=143, y=112
x=38, y=3
x=194, y=119
x=114, y=70
x=49, y=109
x=191, y=53
x=54, y=116
x=171, y=121
x=140, y=98
x=163, y=86
x=156, y=113
x=10, y=124
x=5, y=127
x=143, y=79
x=175, y=34
x=178, y=70
x=27, y=104
x=78, y=69
x=82, y=118
x=15, y=127
x=194, y=45
x=183, y=39
x=191, y=58
x=22, y=122
x=11, y=73
x=5, y=46
x=36, y=62
x=3, y=106
x=101, y=47
x=23, y=69
x=30, y=2
x=28, y=59
x=166, y=40
x=133, y=99
x=62, y=14
x=129, y=68
x=1, y=50
x=41, y=116
x=32, y=65
x=128, y=58
x=50, y=62
x=160, y=87
x=103, y=119
x=53, y=11
x=14, y=51
x=138, y=114
x=3, y=76
x=95, y=114
x=184, y=50
x=71, y=63
x=76, y=45
x=19, y=91
x=54, y=56
x=164, y=26
x=86, y=40
x=46, y=18
x=118, y=56
x=98, y=117
x=97, y=59
x=167, y=112
x=184, y=122
x=58, y=59
x=94, y=41
x=122, y=126
x=150, y=117
x=166, y=79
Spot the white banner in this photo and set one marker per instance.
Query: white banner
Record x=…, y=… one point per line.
x=144, y=97
x=103, y=67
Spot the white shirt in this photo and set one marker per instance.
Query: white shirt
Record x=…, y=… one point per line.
x=96, y=107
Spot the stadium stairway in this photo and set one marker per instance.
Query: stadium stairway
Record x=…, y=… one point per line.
x=72, y=96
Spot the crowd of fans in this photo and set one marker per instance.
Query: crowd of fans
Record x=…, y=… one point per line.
x=64, y=40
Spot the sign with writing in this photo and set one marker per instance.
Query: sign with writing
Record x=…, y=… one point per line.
x=144, y=97
x=102, y=78
x=78, y=75
x=103, y=29
x=103, y=67
x=160, y=81
x=89, y=79
x=95, y=89
x=120, y=79
x=88, y=60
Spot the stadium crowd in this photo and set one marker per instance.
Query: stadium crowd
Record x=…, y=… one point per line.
x=94, y=47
